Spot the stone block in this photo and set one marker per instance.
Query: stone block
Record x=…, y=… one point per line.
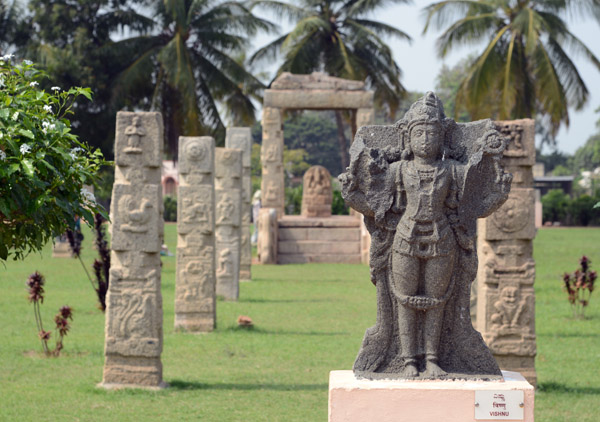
x=515, y=219
x=317, y=99
x=332, y=234
x=520, y=150
x=267, y=236
x=354, y=400
x=315, y=247
x=138, y=139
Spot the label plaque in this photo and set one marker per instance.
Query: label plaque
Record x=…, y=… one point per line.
x=499, y=405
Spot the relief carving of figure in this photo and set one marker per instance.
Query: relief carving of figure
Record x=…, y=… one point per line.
x=225, y=210
x=136, y=214
x=195, y=211
x=134, y=133
x=508, y=308
x=421, y=184
x=225, y=263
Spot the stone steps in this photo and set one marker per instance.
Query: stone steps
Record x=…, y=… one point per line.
x=334, y=239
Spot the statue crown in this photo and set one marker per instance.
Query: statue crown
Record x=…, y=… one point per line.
x=426, y=109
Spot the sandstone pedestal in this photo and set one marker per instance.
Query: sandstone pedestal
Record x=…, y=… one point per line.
x=355, y=400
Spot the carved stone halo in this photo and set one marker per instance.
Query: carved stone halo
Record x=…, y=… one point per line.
x=511, y=217
x=195, y=151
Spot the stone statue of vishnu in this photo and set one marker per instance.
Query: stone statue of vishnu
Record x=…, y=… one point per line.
x=421, y=184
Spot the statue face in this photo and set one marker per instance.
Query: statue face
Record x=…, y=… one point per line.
x=426, y=139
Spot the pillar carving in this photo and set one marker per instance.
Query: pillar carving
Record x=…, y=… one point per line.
x=133, y=336
x=195, y=267
x=241, y=138
x=272, y=188
x=506, y=273
x=228, y=214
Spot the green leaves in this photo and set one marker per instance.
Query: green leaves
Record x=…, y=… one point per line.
x=43, y=166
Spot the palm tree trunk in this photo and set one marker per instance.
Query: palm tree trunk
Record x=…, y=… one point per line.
x=342, y=142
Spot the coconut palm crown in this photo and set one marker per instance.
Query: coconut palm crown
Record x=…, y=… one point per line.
x=188, y=70
x=336, y=37
x=524, y=67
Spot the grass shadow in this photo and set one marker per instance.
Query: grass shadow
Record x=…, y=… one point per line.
x=249, y=300
x=192, y=385
x=555, y=387
x=258, y=330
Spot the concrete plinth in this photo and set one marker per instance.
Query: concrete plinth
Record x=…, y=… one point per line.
x=352, y=399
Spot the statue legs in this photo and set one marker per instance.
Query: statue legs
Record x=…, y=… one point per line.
x=424, y=277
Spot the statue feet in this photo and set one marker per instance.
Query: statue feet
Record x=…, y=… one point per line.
x=432, y=370
x=410, y=370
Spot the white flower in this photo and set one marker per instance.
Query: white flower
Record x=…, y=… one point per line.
x=1, y=81
x=33, y=84
x=27, y=62
x=24, y=149
x=52, y=126
x=2, y=154
x=88, y=196
x=45, y=124
x=1, y=135
x=55, y=88
x=48, y=108
x=7, y=57
x=15, y=116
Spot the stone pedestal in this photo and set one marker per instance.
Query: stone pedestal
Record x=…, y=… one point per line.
x=354, y=400
x=228, y=192
x=506, y=273
x=61, y=248
x=134, y=336
x=241, y=138
x=195, y=272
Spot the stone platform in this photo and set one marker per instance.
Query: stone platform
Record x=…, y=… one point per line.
x=354, y=400
x=333, y=239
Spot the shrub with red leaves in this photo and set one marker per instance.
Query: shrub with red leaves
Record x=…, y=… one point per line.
x=579, y=286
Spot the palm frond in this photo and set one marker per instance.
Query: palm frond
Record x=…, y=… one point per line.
x=280, y=8
x=381, y=28
x=471, y=29
x=269, y=51
x=309, y=25
x=441, y=13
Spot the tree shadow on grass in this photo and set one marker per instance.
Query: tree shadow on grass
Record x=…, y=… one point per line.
x=556, y=387
x=568, y=335
x=192, y=385
x=248, y=300
x=258, y=330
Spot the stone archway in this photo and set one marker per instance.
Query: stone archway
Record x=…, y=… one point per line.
x=316, y=91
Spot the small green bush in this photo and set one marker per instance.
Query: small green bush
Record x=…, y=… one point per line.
x=170, y=203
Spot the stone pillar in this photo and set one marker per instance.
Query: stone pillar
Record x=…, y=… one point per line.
x=134, y=303
x=317, y=193
x=271, y=156
x=228, y=192
x=195, y=271
x=267, y=235
x=506, y=273
x=241, y=138
x=365, y=117
x=61, y=247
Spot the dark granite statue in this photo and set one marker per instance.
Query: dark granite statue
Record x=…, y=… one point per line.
x=421, y=185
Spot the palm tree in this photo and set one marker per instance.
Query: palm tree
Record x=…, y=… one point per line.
x=188, y=68
x=524, y=68
x=336, y=37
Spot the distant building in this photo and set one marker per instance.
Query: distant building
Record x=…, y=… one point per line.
x=169, y=178
x=547, y=183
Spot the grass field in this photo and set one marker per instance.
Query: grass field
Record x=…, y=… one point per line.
x=309, y=319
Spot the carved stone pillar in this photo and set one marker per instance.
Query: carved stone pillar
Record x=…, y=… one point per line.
x=271, y=155
x=267, y=235
x=228, y=192
x=134, y=302
x=506, y=273
x=195, y=272
x=241, y=138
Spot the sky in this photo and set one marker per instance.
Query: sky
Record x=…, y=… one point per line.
x=420, y=64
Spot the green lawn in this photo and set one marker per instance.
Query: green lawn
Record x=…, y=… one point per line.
x=309, y=319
